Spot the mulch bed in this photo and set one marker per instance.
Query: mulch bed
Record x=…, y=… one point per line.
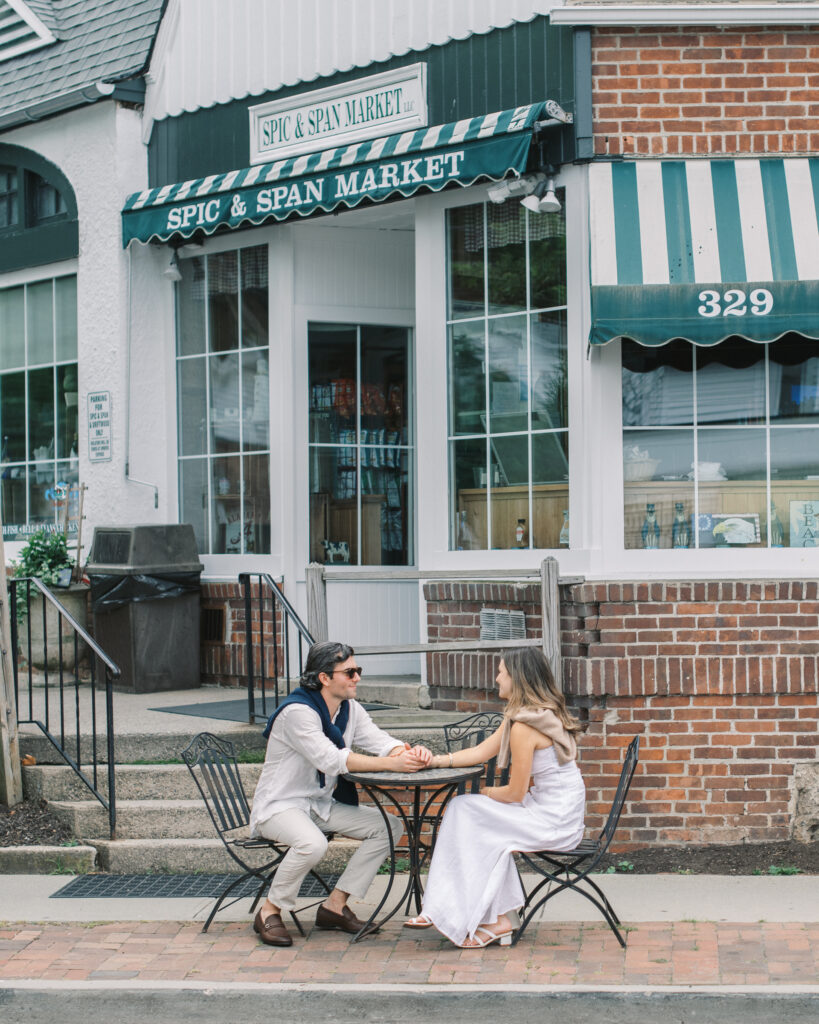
x=31, y=823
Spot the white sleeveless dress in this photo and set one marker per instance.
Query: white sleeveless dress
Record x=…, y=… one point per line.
x=472, y=877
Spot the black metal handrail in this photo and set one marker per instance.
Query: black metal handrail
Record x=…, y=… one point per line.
x=54, y=718
x=267, y=593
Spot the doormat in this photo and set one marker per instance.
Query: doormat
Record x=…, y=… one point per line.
x=236, y=710
x=150, y=887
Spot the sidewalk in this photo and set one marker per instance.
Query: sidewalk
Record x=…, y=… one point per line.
x=748, y=943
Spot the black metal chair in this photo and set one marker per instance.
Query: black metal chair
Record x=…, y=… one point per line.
x=570, y=869
x=469, y=732
x=212, y=763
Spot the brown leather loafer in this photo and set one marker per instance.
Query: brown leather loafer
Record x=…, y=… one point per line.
x=346, y=921
x=272, y=931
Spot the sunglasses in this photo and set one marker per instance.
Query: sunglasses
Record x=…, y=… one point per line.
x=354, y=670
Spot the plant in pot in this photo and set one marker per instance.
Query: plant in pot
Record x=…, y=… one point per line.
x=45, y=557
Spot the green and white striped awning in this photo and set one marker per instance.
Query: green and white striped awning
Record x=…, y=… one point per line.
x=487, y=147
x=704, y=249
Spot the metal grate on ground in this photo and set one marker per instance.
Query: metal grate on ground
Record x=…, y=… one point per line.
x=133, y=887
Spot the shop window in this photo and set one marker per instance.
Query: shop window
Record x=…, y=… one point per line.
x=721, y=444
x=38, y=405
x=9, y=212
x=361, y=453
x=224, y=401
x=508, y=416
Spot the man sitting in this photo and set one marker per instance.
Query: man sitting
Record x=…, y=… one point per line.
x=299, y=796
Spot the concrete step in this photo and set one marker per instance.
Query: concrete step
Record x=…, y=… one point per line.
x=133, y=782
x=192, y=856
x=136, y=819
x=403, y=691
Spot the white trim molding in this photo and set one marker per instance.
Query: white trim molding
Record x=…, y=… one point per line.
x=631, y=15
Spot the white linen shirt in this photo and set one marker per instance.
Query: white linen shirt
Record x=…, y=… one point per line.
x=297, y=749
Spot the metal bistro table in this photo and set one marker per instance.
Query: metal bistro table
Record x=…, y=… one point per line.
x=442, y=782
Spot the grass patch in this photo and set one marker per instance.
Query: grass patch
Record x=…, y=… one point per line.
x=780, y=869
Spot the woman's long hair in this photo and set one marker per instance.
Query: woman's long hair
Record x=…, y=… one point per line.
x=533, y=685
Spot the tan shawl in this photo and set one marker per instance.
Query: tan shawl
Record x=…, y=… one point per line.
x=545, y=721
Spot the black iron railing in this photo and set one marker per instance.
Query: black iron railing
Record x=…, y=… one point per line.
x=57, y=691
x=276, y=643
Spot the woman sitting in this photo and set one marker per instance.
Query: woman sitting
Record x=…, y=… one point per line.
x=473, y=883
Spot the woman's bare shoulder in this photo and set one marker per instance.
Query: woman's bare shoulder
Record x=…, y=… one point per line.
x=528, y=734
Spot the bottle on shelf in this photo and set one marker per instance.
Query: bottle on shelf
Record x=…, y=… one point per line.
x=680, y=531
x=651, y=528
x=775, y=529
x=521, y=534
x=563, y=540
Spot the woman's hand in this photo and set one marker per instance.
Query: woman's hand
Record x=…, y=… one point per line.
x=406, y=761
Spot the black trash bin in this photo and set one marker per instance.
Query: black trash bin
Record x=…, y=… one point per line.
x=145, y=592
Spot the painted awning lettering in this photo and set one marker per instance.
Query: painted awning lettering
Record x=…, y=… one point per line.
x=704, y=249
x=481, y=148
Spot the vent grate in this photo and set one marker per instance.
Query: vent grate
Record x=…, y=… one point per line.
x=131, y=887
x=502, y=624
x=20, y=30
x=213, y=625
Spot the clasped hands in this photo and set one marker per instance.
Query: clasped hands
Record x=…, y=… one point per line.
x=411, y=759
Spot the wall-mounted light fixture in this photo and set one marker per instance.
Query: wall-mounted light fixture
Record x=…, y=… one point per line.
x=524, y=186
x=543, y=198
x=172, y=271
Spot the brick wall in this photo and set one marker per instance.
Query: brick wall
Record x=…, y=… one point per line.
x=719, y=679
x=224, y=661
x=705, y=91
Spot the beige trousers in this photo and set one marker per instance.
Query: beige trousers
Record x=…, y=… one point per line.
x=305, y=835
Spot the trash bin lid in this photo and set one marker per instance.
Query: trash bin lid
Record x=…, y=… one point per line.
x=152, y=548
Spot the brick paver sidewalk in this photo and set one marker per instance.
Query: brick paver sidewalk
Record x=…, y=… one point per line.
x=679, y=953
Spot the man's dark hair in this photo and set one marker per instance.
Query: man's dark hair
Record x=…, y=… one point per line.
x=323, y=657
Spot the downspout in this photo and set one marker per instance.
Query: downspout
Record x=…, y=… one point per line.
x=128, y=477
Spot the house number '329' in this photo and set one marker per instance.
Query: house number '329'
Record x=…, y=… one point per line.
x=733, y=302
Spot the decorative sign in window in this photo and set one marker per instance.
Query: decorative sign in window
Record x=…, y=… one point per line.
x=367, y=108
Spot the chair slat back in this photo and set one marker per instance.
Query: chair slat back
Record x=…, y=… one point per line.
x=469, y=732
x=626, y=775
x=212, y=763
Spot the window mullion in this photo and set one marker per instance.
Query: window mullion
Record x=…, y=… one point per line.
x=208, y=410
x=359, y=501
x=486, y=376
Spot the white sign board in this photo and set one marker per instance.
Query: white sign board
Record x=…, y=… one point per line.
x=99, y=426
x=368, y=108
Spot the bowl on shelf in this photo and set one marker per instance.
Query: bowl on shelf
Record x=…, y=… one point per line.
x=635, y=470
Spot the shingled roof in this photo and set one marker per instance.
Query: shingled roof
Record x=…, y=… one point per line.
x=96, y=41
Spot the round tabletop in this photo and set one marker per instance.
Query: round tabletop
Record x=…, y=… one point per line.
x=412, y=780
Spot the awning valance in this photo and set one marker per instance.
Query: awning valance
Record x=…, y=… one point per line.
x=704, y=249
x=463, y=152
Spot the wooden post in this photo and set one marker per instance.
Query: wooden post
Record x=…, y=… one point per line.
x=11, y=777
x=317, y=602
x=550, y=608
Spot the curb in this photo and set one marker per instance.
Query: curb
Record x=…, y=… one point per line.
x=47, y=860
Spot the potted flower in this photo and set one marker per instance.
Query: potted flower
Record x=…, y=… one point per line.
x=45, y=557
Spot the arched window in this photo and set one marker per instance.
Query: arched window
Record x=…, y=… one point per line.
x=38, y=343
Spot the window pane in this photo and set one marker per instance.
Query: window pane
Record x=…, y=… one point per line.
x=13, y=496
x=333, y=505
x=550, y=492
x=223, y=301
x=256, y=470
x=658, y=384
x=40, y=315
x=13, y=416
x=506, y=228
x=384, y=491
x=793, y=376
x=12, y=329
x=794, y=454
x=190, y=307
x=254, y=296
x=193, y=498
x=9, y=209
x=40, y=504
x=255, y=401
x=508, y=375
x=67, y=442
x=547, y=258
x=224, y=403
x=656, y=467
x=384, y=377
x=41, y=414
x=192, y=406
x=509, y=467
x=466, y=251
x=549, y=370
x=226, y=492
x=467, y=378
x=333, y=394
x=731, y=480
x=467, y=468
x=731, y=382
x=65, y=294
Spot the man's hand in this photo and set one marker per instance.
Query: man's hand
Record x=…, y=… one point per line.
x=406, y=761
x=422, y=753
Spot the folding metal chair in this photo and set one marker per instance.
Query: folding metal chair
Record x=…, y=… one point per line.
x=469, y=732
x=212, y=763
x=570, y=869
